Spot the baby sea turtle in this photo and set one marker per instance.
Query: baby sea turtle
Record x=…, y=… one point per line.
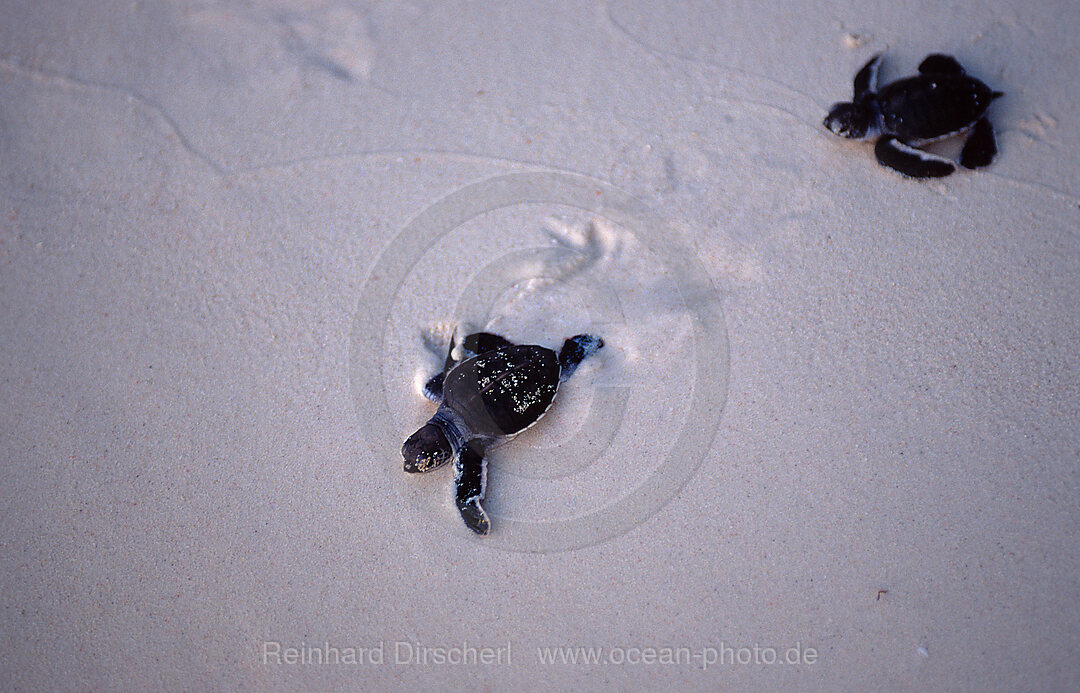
x=488, y=392
x=939, y=102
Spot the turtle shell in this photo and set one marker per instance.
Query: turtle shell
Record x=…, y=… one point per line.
x=502, y=392
x=928, y=107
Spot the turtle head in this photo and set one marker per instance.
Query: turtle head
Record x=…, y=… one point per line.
x=851, y=120
x=426, y=449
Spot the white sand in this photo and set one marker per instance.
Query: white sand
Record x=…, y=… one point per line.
x=199, y=203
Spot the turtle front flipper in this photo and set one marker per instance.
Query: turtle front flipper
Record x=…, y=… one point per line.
x=981, y=147
x=433, y=388
x=482, y=342
x=940, y=64
x=470, y=477
x=866, y=78
x=909, y=161
x=475, y=344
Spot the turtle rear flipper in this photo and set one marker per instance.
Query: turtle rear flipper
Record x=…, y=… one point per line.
x=909, y=161
x=575, y=350
x=981, y=147
x=940, y=64
x=470, y=480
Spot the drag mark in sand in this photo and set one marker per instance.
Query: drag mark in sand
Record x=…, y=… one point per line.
x=68, y=81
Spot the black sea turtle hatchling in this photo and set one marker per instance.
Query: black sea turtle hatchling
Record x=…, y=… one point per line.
x=939, y=102
x=489, y=391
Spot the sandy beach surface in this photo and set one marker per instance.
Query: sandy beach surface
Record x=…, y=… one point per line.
x=832, y=442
